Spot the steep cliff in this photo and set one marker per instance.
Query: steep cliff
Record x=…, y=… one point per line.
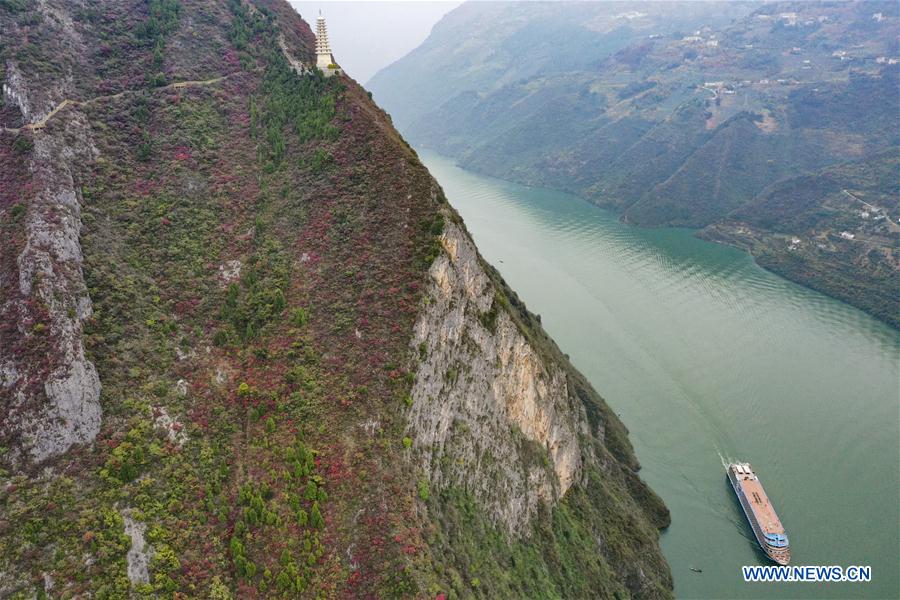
x=536, y=477
x=480, y=379
x=248, y=350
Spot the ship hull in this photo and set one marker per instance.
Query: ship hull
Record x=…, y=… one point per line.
x=781, y=555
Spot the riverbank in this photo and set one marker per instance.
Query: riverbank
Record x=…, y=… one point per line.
x=831, y=266
x=845, y=269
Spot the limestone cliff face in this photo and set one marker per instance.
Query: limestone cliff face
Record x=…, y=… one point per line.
x=52, y=398
x=484, y=399
x=513, y=440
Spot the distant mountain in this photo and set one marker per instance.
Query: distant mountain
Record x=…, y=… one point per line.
x=482, y=48
x=672, y=113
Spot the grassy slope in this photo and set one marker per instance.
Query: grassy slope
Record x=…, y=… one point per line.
x=288, y=175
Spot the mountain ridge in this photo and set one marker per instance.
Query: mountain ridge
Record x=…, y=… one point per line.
x=248, y=300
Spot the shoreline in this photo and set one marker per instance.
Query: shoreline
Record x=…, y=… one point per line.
x=769, y=265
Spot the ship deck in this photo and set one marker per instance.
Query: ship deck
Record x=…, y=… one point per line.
x=759, y=502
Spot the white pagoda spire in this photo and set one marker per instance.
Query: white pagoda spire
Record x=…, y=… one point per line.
x=324, y=58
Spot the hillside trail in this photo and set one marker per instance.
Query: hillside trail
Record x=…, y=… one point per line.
x=893, y=226
x=41, y=123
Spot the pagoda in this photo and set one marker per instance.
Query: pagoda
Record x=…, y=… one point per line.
x=324, y=58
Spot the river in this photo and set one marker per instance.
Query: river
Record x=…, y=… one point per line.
x=708, y=357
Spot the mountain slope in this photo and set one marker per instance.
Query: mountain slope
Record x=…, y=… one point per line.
x=801, y=222
x=677, y=126
x=487, y=47
x=248, y=350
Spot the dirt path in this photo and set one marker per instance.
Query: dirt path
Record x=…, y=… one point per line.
x=892, y=225
x=40, y=124
x=857, y=199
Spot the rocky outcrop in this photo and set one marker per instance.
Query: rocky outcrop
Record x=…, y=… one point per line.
x=487, y=407
x=14, y=92
x=139, y=552
x=50, y=391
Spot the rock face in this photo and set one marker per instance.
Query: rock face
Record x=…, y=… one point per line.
x=483, y=398
x=139, y=553
x=517, y=445
x=49, y=390
x=52, y=401
x=13, y=92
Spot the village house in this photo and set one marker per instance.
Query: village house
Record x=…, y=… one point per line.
x=790, y=18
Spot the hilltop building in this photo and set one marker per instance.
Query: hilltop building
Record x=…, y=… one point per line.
x=324, y=57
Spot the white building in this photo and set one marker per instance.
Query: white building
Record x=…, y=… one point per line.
x=790, y=18
x=847, y=235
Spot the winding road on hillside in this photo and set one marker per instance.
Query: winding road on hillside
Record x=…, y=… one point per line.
x=42, y=122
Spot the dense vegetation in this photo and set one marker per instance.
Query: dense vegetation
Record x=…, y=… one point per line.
x=243, y=483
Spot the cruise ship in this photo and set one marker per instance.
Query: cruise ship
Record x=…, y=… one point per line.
x=760, y=513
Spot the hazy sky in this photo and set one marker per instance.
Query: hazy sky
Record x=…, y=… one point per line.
x=366, y=36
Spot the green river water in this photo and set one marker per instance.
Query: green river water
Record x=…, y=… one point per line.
x=707, y=357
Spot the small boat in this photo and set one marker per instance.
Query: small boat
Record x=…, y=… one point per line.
x=764, y=522
x=696, y=570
